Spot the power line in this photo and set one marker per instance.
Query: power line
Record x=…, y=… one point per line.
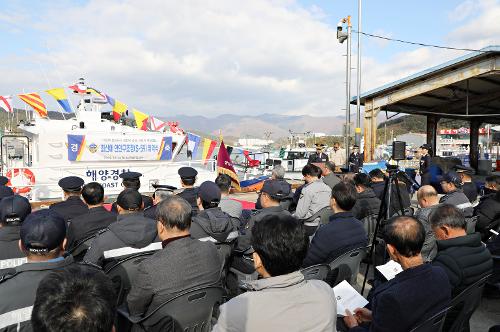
x=416, y=43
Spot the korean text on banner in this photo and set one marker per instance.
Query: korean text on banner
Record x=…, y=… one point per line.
x=98, y=147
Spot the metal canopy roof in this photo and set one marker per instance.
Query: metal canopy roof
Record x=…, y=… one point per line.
x=467, y=87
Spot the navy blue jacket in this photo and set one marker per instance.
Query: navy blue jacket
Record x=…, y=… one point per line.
x=342, y=233
x=409, y=299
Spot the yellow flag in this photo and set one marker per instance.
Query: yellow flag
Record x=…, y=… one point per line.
x=141, y=119
x=118, y=109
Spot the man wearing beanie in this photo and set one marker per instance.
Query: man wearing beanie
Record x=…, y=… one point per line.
x=13, y=211
x=130, y=233
x=43, y=237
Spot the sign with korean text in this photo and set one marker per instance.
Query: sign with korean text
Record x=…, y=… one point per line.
x=99, y=147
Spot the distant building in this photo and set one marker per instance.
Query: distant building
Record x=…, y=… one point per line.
x=253, y=142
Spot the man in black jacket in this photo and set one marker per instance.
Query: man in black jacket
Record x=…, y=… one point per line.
x=414, y=295
x=189, y=192
x=367, y=202
x=488, y=209
x=377, y=179
x=42, y=240
x=95, y=219
x=211, y=223
x=464, y=258
x=342, y=233
x=468, y=186
x=131, y=233
x=72, y=205
x=13, y=211
x=131, y=180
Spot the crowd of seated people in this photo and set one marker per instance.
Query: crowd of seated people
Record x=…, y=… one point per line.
x=199, y=240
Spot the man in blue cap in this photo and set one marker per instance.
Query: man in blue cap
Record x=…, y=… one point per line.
x=189, y=192
x=13, y=211
x=454, y=195
x=72, y=205
x=131, y=180
x=43, y=237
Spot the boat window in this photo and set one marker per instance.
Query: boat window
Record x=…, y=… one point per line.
x=296, y=155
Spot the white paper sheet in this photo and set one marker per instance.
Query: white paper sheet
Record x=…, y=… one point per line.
x=390, y=269
x=348, y=298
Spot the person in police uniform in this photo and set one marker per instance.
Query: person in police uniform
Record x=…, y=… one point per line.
x=319, y=156
x=273, y=191
x=189, y=192
x=468, y=186
x=162, y=191
x=130, y=231
x=42, y=240
x=425, y=165
x=355, y=160
x=72, y=205
x=13, y=211
x=454, y=195
x=131, y=180
x=6, y=192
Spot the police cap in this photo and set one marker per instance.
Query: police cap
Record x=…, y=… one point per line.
x=426, y=146
x=209, y=192
x=164, y=187
x=130, y=175
x=3, y=180
x=14, y=209
x=129, y=199
x=464, y=169
x=187, y=172
x=43, y=231
x=71, y=183
x=6, y=192
x=276, y=189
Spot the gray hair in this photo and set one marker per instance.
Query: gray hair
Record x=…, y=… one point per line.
x=174, y=212
x=162, y=194
x=278, y=172
x=447, y=215
x=330, y=165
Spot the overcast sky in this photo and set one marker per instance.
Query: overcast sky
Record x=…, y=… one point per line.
x=227, y=56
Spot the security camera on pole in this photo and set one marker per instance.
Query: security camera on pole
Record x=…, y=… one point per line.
x=343, y=36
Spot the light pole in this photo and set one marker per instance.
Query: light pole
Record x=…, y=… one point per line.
x=343, y=36
x=357, y=138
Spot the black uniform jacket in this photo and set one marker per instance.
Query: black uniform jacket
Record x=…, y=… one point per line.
x=70, y=208
x=10, y=255
x=88, y=224
x=190, y=195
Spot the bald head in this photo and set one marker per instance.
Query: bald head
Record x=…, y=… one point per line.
x=406, y=235
x=427, y=196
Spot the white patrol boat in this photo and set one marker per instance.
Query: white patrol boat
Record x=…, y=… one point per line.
x=94, y=148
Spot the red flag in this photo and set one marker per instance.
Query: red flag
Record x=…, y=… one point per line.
x=225, y=166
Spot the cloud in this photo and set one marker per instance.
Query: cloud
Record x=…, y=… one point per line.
x=463, y=10
x=190, y=57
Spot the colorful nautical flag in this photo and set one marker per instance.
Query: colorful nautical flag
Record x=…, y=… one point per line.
x=208, y=148
x=35, y=101
x=6, y=103
x=193, y=144
x=225, y=166
x=165, y=150
x=141, y=119
x=156, y=124
x=118, y=109
x=79, y=88
x=61, y=98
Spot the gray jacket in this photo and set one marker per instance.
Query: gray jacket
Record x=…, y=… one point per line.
x=182, y=264
x=314, y=196
x=231, y=207
x=461, y=201
x=18, y=291
x=429, y=249
x=282, y=303
x=128, y=232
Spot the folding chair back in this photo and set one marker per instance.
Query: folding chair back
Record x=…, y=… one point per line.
x=346, y=267
x=80, y=248
x=316, y=272
x=433, y=324
x=319, y=218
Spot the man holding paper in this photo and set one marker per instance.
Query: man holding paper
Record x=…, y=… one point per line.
x=414, y=295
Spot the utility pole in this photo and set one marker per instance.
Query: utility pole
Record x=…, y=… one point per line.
x=358, y=92
x=343, y=36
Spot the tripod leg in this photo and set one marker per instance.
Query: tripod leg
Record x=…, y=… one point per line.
x=400, y=201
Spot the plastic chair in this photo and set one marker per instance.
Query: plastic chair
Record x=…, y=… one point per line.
x=432, y=324
x=464, y=305
x=190, y=310
x=316, y=272
x=346, y=266
x=122, y=271
x=319, y=218
x=470, y=224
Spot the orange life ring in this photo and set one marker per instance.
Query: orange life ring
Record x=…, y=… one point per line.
x=27, y=173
